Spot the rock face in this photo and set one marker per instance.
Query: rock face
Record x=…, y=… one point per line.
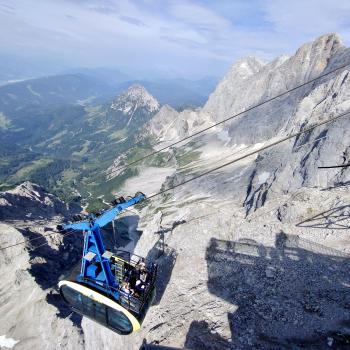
x=235, y=280
x=30, y=201
x=33, y=313
x=170, y=125
x=324, y=145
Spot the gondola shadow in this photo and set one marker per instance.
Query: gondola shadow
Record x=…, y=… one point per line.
x=333, y=219
x=201, y=336
x=124, y=232
x=290, y=296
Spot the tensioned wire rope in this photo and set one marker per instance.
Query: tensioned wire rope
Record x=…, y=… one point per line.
x=122, y=167
x=43, y=236
x=273, y=144
x=247, y=147
x=33, y=239
x=334, y=166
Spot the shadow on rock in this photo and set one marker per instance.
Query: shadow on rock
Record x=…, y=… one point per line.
x=48, y=265
x=64, y=310
x=125, y=231
x=200, y=336
x=293, y=295
x=165, y=258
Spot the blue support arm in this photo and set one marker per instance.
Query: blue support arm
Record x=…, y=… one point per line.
x=79, y=226
x=96, y=267
x=110, y=214
x=106, y=217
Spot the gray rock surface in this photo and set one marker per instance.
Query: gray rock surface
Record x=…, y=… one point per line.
x=32, y=312
x=31, y=201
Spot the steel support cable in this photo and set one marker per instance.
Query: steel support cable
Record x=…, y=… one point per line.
x=250, y=146
x=68, y=233
x=33, y=239
x=227, y=119
x=47, y=235
x=334, y=166
x=252, y=153
x=222, y=166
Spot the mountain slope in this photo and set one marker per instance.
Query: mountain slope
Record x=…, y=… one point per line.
x=262, y=254
x=35, y=316
x=255, y=254
x=67, y=147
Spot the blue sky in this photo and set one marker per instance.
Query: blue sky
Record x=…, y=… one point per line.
x=179, y=38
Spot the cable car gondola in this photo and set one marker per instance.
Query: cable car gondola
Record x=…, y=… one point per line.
x=113, y=289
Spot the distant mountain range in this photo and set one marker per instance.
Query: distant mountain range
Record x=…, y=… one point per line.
x=65, y=132
x=77, y=85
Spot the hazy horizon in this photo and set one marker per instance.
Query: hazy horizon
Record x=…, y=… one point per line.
x=185, y=39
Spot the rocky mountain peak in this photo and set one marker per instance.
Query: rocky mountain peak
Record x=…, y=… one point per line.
x=326, y=44
x=313, y=57
x=136, y=96
x=249, y=81
x=244, y=68
x=30, y=190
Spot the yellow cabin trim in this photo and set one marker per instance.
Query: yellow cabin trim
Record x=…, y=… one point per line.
x=103, y=300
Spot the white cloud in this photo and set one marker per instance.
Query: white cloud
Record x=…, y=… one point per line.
x=183, y=37
x=307, y=19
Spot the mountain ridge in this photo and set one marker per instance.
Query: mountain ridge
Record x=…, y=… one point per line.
x=253, y=255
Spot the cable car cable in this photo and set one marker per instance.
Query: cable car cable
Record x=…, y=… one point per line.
x=220, y=167
x=334, y=166
x=68, y=233
x=33, y=239
x=227, y=119
x=251, y=153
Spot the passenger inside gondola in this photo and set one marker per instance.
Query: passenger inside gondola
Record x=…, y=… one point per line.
x=144, y=277
x=136, y=279
x=126, y=288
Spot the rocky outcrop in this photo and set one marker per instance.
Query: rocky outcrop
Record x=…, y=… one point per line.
x=30, y=201
x=168, y=125
x=33, y=256
x=295, y=164
x=133, y=108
